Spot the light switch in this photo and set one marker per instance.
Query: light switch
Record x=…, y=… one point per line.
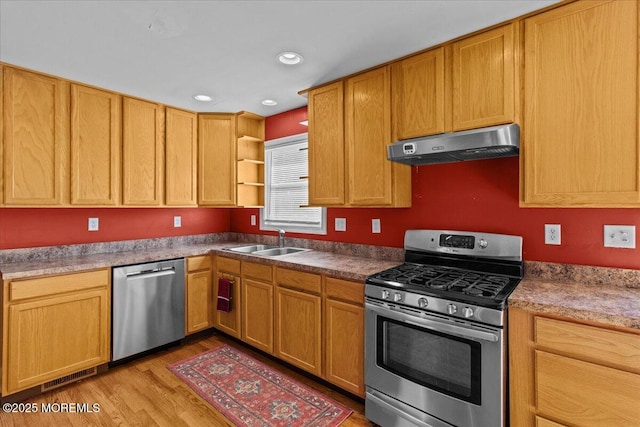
x=94, y=224
x=341, y=224
x=375, y=225
x=253, y=220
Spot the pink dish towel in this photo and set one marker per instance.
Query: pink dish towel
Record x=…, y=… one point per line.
x=224, y=295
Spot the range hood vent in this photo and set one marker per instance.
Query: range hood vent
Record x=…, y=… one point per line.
x=486, y=143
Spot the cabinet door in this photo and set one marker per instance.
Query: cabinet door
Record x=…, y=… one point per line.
x=326, y=146
x=344, y=345
x=585, y=394
x=52, y=337
x=199, y=301
x=484, y=79
x=230, y=322
x=36, y=139
x=257, y=314
x=96, y=134
x=419, y=95
x=581, y=115
x=143, y=153
x=216, y=160
x=181, y=154
x=367, y=119
x=298, y=329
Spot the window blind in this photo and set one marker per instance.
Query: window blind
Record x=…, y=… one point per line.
x=287, y=189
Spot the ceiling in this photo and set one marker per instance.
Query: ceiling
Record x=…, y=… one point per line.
x=168, y=51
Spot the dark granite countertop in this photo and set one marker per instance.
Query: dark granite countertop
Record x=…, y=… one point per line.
x=609, y=296
x=341, y=266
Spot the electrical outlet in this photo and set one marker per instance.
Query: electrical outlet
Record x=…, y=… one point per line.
x=620, y=236
x=375, y=225
x=94, y=224
x=177, y=221
x=253, y=220
x=341, y=224
x=552, y=235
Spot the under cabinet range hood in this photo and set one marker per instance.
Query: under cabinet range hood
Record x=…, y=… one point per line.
x=485, y=143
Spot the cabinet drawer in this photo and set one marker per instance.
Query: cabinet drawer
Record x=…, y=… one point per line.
x=228, y=264
x=611, y=348
x=195, y=263
x=345, y=290
x=299, y=280
x=262, y=272
x=585, y=394
x=52, y=285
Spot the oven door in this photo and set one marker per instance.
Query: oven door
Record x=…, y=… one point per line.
x=447, y=368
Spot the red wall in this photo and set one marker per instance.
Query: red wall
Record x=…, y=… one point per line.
x=24, y=228
x=476, y=196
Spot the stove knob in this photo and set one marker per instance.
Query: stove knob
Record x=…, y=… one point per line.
x=385, y=294
x=423, y=302
x=483, y=244
x=397, y=297
x=467, y=312
x=452, y=309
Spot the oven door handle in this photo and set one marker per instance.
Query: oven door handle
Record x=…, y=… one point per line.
x=403, y=316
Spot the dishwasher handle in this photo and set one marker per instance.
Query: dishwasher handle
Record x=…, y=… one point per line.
x=150, y=274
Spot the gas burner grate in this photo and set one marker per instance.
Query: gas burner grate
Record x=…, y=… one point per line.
x=440, y=278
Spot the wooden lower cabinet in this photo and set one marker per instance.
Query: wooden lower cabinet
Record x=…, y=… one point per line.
x=199, y=294
x=54, y=326
x=344, y=335
x=564, y=372
x=257, y=305
x=298, y=319
x=313, y=322
x=230, y=322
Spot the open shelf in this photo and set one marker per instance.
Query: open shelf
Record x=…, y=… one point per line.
x=250, y=160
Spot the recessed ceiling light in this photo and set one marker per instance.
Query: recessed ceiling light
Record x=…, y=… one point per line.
x=269, y=102
x=202, y=98
x=290, y=58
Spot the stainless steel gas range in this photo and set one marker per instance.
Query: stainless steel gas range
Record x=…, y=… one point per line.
x=435, y=331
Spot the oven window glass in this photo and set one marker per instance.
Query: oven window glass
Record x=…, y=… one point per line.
x=442, y=362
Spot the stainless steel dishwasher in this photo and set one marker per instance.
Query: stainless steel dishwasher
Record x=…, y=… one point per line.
x=147, y=307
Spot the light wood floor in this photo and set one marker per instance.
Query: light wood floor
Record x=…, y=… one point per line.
x=144, y=392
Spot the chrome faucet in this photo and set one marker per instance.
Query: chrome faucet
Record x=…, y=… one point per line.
x=281, y=237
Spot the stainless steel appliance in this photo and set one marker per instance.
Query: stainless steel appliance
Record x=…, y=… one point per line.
x=147, y=307
x=485, y=143
x=435, y=331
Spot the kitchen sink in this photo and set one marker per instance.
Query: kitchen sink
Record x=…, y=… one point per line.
x=279, y=251
x=266, y=250
x=251, y=248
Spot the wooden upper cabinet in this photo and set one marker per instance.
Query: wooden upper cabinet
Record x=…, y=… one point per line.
x=418, y=95
x=95, y=146
x=217, y=160
x=581, y=144
x=181, y=153
x=36, y=138
x=326, y=146
x=143, y=152
x=484, y=79
x=368, y=132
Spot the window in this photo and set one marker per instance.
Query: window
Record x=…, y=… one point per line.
x=287, y=188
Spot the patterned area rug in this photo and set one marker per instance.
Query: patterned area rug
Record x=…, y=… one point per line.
x=250, y=393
